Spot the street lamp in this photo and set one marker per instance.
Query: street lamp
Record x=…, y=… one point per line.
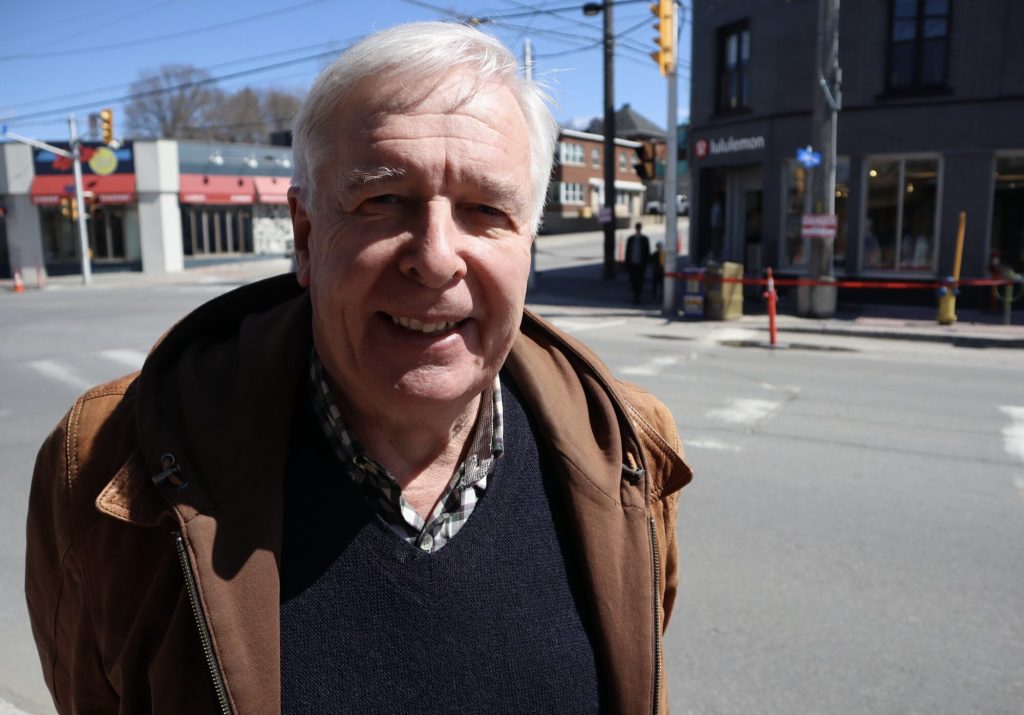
x=590, y=9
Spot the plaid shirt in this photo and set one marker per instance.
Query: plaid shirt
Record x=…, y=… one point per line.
x=382, y=491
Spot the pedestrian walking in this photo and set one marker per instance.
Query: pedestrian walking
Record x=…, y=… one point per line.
x=657, y=270
x=638, y=250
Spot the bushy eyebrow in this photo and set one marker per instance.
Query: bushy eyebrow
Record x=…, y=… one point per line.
x=503, y=192
x=351, y=181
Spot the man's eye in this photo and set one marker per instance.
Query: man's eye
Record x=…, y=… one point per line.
x=490, y=210
x=383, y=199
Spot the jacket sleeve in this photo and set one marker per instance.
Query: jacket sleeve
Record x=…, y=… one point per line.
x=56, y=588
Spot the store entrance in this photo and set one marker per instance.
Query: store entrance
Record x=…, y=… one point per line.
x=1008, y=214
x=744, y=221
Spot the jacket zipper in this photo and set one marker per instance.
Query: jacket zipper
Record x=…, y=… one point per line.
x=204, y=630
x=656, y=564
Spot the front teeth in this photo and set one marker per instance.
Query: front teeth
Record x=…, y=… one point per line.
x=425, y=328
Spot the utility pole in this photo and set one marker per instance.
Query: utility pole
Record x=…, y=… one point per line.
x=827, y=103
x=75, y=156
x=609, y=142
x=528, y=72
x=83, y=231
x=671, y=170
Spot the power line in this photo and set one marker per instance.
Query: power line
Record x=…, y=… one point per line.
x=164, y=90
x=147, y=40
x=219, y=65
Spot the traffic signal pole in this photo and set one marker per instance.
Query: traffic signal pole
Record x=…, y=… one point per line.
x=671, y=179
x=83, y=231
x=75, y=155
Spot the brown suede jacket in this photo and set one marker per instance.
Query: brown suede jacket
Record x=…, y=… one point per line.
x=154, y=528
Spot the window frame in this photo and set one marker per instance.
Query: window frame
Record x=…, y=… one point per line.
x=902, y=159
x=917, y=86
x=723, y=34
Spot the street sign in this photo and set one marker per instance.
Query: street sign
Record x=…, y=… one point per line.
x=808, y=157
x=818, y=226
x=604, y=216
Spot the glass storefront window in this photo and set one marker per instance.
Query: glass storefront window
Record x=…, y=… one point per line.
x=796, y=249
x=1008, y=213
x=900, y=226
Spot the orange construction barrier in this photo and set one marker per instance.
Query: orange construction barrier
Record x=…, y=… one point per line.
x=19, y=285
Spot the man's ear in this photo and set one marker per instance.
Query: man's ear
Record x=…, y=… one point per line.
x=301, y=229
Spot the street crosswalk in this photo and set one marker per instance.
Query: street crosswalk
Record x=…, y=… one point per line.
x=80, y=371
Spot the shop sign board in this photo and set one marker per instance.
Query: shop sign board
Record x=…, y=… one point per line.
x=818, y=226
x=704, y=148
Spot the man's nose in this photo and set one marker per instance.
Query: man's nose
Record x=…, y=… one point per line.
x=433, y=255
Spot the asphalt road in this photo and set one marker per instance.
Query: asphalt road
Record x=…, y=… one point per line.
x=852, y=541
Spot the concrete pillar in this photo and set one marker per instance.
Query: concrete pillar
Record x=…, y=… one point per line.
x=157, y=185
x=24, y=235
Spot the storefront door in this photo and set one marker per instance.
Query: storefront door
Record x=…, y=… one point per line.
x=744, y=218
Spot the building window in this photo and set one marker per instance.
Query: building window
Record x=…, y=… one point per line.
x=919, y=44
x=622, y=162
x=570, y=193
x=595, y=157
x=734, y=67
x=902, y=209
x=796, y=248
x=1008, y=213
x=570, y=153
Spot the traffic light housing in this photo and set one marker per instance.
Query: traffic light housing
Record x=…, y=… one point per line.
x=665, y=11
x=107, y=125
x=645, y=161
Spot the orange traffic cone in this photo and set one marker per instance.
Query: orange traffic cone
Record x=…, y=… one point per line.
x=19, y=285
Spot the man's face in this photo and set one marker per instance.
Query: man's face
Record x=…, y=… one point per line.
x=418, y=255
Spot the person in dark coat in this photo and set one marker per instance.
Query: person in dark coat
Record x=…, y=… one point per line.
x=638, y=252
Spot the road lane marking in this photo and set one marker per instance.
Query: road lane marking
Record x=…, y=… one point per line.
x=651, y=367
x=579, y=326
x=7, y=709
x=745, y=411
x=711, y=444
x=1013, y=438
x=129, y=358
x=61, y=373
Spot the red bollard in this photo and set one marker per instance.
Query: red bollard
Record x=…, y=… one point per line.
x=772, y=298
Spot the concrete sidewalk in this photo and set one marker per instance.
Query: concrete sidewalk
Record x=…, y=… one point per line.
x=583, y=286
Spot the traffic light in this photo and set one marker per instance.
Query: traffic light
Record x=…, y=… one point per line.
x=69, y=208
x=107, y=124
x=645, y=164
x=665, y=11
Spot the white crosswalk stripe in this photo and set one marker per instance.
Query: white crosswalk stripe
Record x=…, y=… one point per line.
x=745, y=411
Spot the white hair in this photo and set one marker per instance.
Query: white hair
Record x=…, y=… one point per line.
x=419, y=52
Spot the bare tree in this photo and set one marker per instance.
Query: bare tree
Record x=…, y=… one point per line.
x=279, y=107
x=174, y=102
x=182, y=102
x=237, y=118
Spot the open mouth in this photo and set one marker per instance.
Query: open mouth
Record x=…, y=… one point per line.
x=418, y=326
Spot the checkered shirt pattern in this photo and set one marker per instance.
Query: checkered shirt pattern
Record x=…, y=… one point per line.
x=382, y=491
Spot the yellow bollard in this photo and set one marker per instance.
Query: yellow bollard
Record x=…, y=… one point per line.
x=947, y=295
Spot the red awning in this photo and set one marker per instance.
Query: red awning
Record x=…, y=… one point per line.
x=49, y=189
x=212, y=189
x=272, y=189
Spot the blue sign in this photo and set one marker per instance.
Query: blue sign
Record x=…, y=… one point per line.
x=808, y=157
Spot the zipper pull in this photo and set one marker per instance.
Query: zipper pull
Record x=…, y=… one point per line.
x=632, y=471
x=171, y=473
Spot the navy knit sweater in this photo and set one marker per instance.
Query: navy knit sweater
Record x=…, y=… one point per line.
x=488, y=624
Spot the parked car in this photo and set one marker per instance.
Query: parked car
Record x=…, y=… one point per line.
x=658, y=207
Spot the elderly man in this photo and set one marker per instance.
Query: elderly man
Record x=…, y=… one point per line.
x=387, y=488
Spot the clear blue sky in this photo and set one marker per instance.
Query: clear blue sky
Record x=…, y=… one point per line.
x=61, y=56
